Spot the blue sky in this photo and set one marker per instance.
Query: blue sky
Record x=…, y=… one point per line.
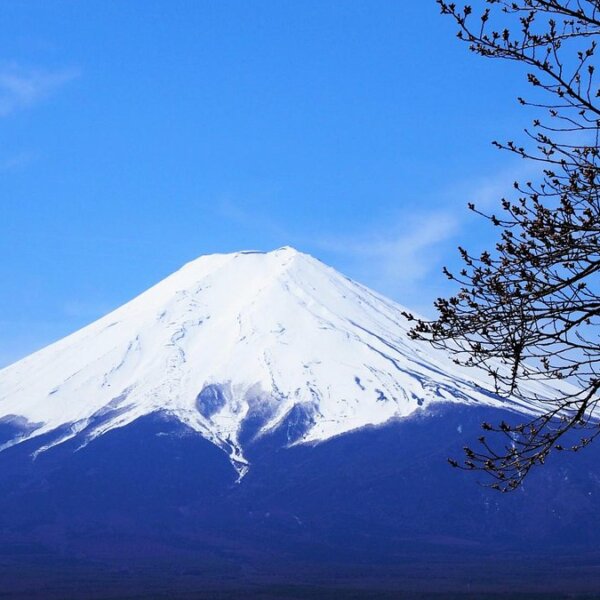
x=136, y=136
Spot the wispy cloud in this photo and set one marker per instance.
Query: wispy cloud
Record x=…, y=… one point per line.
x=22, y=87
x=487, y=190
x=402, y=254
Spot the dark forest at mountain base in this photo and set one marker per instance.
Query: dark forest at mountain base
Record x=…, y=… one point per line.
x=154, y=510
x=65, y=578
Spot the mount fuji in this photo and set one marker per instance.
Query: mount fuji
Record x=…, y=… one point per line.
x=257, y=419
x=237, y=346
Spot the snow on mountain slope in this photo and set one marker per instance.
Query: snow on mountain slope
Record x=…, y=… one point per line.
x=233, y=339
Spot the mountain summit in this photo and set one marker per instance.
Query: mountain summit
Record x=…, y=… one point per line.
x=236, y=347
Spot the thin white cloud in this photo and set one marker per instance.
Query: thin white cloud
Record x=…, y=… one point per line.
x=398, y=259
x=22, y=87
x=486, y=191
x=403, y=257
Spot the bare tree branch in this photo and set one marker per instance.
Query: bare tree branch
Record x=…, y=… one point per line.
x=528, y=311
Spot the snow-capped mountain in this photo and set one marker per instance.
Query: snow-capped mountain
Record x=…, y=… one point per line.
x=279, y=365
x=233, y=345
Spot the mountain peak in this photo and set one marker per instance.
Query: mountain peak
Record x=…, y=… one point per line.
x=283, y=250
x=287, y=250
x=252, y=259
x=276, y=339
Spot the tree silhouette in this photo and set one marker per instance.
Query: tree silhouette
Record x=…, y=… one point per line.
x=528, y=311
